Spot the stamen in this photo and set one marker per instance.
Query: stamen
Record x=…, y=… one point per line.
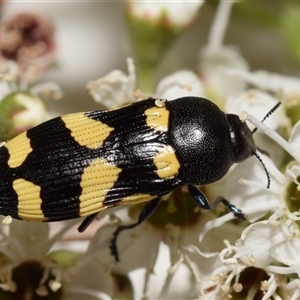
x=275, y=136
x=192, y=267
x=150, y=271
x=251, y=260
x=42, y=291
x=44, y=277
x=293, y=170
x=264, y=285
x=48, y=89
x=220, y=24
x=131, y=77
x=9, y=286
x=248, y=210
x=225, y=288
x=252, y=183
x=215, y=223
x=237, y=287
x=269, y=287
x=166, y=287
x=176, y=265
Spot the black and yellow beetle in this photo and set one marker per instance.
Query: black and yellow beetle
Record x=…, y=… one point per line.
x=79, y=164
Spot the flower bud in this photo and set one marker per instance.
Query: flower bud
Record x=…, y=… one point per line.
x=28, y=39
x=20, y=111
x=153, y=28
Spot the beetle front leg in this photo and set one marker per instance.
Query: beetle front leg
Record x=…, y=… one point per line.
x=145, y=213
x=202, y=201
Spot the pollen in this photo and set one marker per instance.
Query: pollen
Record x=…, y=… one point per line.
x=160, y=102
x=238, y=287
x=10, y=286
x=55, y=285
x=225, y=288
x=7, y=220
x=214, y=278
x=171, y=208
x=243, y=116
x=251, y=260
x=174, y=231
x=264, y=285
x=275, y=223
x=286, y=211
x=42, y=291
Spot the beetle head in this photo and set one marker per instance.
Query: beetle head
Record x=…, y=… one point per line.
x=241, y=138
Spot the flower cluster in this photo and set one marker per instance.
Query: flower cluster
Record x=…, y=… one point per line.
x=27, y=49
x=181, y=251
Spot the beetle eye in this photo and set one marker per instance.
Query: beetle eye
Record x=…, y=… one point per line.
x=241, y=138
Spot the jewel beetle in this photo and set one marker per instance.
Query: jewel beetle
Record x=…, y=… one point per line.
x=79, y=164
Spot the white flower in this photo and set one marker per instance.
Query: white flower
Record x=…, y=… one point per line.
x=176, y=13
x=215, y=58
x=25, y=250
x=268, y=81
x=212, y=66
x=285, y=88
x=180, y=84
x=259, y=104
x=291, y=147
x=166, y=247
x=116, y=88
x=26, y=112
x=262, y=246
x=10, y=82
x=20, y=105
x=28, y=39
x=19, y=89
x=251, y=194
x=8, y=77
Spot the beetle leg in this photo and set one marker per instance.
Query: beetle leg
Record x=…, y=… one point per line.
x=202, y=201
x=86, y=222
x=145, y=213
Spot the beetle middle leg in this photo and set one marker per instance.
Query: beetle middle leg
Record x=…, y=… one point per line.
x=86, y=222
x=145, y=213
x=202, y=201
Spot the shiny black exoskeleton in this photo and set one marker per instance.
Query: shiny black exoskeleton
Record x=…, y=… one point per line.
x=76, y=165
x=207, y=143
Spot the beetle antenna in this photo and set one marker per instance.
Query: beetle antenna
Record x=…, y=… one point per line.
x=268, y=114
x=255, y=153
x=262, y=163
